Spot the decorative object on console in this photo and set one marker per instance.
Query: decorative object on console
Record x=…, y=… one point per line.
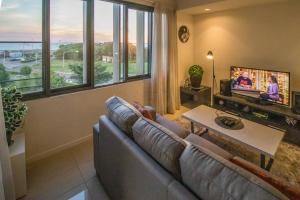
x=14, y=111
x=229, y=122
x=296, y=102
x=196, y=73
x=225, y=87
x=291, y=121
x=210, y=56
x=184, y=34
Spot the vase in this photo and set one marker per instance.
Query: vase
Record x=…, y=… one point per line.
x=196, y=81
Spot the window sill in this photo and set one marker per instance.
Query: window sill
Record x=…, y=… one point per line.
x=64, y=91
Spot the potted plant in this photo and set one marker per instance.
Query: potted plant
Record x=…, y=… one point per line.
x=14, y=111
x=196, y=73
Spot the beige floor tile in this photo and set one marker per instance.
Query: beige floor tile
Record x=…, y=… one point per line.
x=67, y=175
x=96, y=189
x=53, y=176
x=87, y=169
x=83, y=152
x=78, y=193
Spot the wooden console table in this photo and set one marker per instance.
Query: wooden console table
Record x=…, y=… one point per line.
x=193, y=98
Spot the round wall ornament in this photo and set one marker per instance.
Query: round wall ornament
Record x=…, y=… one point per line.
x=183, y=34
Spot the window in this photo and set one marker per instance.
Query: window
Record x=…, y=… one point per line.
x=68, y=43
x=108, y=47
x=138, y=42
x=21, y=45
x=50, y=47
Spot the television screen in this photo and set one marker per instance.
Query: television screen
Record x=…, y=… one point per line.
x=262, y=84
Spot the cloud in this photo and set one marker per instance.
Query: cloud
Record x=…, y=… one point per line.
x=6, y=6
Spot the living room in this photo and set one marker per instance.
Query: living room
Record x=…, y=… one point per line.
x=63, y=157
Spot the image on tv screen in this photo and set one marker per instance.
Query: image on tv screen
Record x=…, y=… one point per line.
x=263, y=84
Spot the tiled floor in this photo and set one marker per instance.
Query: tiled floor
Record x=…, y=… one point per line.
x=67, y=175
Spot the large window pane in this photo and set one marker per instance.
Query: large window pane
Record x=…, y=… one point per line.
x=20, y=45
x=138, y=47
x=68, y=43
x=108, y=42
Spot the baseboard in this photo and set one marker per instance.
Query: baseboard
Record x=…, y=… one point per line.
x=58, y=149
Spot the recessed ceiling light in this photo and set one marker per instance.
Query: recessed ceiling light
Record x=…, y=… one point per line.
x=207, y=9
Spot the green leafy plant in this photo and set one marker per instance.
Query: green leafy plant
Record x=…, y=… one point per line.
x=196, y=70
x=196, y=73
x=14, y=111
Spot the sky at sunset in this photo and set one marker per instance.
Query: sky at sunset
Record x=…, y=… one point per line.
x=21, y=20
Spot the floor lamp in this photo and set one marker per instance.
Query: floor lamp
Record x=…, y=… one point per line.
x=210, y=56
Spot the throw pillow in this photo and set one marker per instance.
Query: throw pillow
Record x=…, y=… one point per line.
x=144, y=111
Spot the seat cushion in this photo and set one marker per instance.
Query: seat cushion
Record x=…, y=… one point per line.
x=172, y=126
x=122, y=114
x=163, y=145
x=202, y=142
x=210, y=176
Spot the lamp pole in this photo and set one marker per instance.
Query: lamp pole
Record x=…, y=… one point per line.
x=210, y=56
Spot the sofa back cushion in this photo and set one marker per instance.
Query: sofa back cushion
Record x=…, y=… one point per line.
x=122, y=114
x=212, y=177
x=163, y=145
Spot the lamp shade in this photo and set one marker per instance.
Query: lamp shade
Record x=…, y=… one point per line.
x=210, y=55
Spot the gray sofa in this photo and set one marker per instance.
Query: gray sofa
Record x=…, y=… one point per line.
x=140, y=159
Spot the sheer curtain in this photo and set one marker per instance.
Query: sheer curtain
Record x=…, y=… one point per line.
x=7, y=179
x=164, y=82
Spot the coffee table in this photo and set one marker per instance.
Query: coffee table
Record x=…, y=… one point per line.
x=259, y=138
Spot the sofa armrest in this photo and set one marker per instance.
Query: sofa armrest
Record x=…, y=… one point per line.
x=286, y=188
x=172, y=126
x=202, y=142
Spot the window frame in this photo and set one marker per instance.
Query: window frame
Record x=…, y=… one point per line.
x=47, y=91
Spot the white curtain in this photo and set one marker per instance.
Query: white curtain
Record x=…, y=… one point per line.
x=164, y=82
x=7, y=186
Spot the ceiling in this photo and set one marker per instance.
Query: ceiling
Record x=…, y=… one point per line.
x=196, y=7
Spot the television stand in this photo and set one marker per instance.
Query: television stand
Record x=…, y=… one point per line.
x=259, y=101
x=272, y=115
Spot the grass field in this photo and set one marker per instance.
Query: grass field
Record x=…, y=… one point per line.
x=33, y=82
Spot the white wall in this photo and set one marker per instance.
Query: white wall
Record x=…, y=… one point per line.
x=185, y=50
x=57, y=122
x=266, y=36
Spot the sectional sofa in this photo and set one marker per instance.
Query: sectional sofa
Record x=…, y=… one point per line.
x=141, y=159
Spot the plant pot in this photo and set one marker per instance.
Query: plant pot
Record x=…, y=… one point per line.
x=196, y=81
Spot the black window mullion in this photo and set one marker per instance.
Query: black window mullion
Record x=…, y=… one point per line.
x=90, y=35
x=126, y=43
x=150, y=39
x=46, y=47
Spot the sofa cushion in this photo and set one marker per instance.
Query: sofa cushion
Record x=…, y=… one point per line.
x=172, y=126
x=290, y=191
x=202, y=142
x=163, y=145
x=122, y=114
x=210, y=176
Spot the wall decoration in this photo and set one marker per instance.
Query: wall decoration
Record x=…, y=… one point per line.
x=183, y=34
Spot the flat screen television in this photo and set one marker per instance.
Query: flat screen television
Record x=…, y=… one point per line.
x=272, y=86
